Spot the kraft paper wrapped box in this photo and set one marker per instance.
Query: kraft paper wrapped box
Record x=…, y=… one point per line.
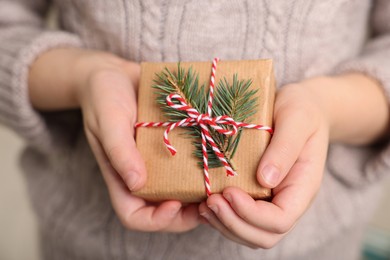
x=179, y=177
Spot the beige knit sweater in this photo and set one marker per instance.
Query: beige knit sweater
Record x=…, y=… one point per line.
x=304, y=37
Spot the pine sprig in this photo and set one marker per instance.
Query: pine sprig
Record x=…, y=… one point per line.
x=184, y=83
x=235, y=100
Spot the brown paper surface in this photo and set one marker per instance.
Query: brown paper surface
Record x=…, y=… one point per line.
x=179, y=177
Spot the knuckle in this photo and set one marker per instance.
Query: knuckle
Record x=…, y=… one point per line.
x=116, y=155
x=305, y=112
x=107, y=74
x=230, y=225
x=293, y=104
x=114, y=152
x=300, y=111
x=125, y=220
x=283, y=227
x=247, y=214
x=268, y=244
x=127, y=179
x=284, y=151
x=296, y=110
x=145, y=224
x=157, y=225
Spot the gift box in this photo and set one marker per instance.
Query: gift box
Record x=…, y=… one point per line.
x=180, y=177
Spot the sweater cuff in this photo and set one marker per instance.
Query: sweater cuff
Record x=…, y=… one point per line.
x=16, y=110
x=372, y=163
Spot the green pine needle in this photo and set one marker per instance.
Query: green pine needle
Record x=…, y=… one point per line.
x=234, y=100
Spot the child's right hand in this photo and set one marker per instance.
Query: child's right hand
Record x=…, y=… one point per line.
x=104, y=87
x=349, y=108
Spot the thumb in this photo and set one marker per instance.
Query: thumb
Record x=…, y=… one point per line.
x=284, y=149
x=109, y=109
x=120, y=148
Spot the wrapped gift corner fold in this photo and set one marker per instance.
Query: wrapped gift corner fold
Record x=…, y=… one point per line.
x=179, y=177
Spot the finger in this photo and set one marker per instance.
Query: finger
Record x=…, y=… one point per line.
x=300, y=187
x=116, y=131
x=291, y=198
x=213, y=220
x=273, y=218
x=165, y=217
x=134, y=72
x=136, y=214
x=168, y=216
x=120, y=148
x=291, y=133
x=188, y=218
x=238, y=227
x=133, y=212
x=114, y=104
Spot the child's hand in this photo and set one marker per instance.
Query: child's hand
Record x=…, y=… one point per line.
x=298, y=148
x=306, y=116
x=104, y=86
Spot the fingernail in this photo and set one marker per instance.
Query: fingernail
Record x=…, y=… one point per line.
x=174, y=212
x=132, y=180
x=270, y=175
x=228, y=197
x=214, y=208
x=206, y=215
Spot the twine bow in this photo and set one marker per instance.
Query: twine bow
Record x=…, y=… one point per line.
x=204, y=121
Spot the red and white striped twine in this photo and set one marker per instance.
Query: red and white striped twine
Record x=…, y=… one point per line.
x=204, y=121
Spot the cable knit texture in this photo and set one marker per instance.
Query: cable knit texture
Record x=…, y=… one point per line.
x=305, y=38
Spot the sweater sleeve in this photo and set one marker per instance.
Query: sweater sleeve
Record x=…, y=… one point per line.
x=367, y=164
x=23, y=37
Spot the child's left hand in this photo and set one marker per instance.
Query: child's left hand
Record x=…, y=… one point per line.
x=307, y=115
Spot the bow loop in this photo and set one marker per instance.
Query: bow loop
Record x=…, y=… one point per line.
x=202, y=119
